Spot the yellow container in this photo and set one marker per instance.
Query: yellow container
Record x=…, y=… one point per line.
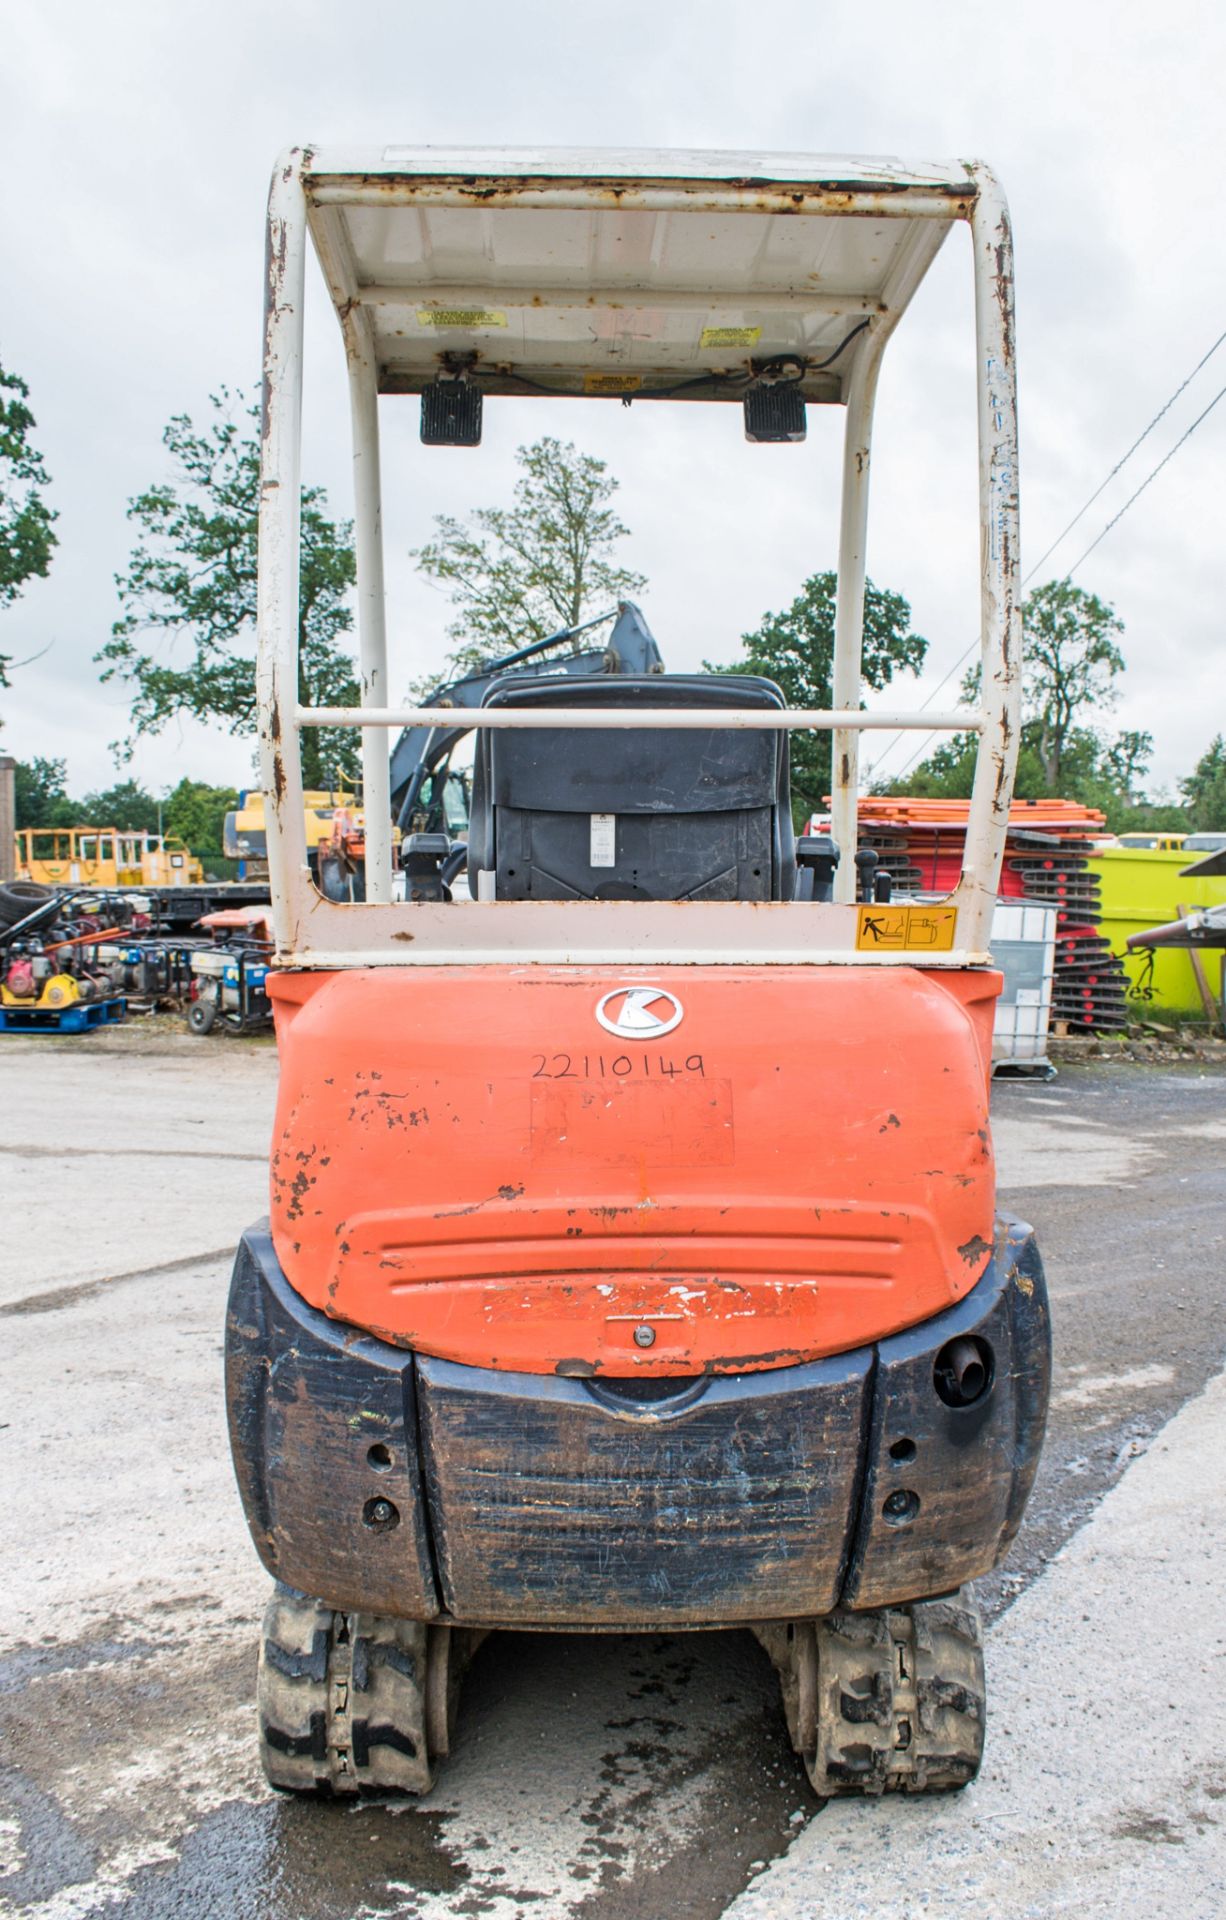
x=1143, y=888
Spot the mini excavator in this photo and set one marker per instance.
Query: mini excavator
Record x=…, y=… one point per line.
x=634, y=1258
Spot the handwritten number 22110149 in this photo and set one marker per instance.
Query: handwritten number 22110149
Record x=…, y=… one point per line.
x=618, y=1066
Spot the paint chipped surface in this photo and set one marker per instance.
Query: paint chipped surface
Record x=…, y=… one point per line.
x=508, y=1157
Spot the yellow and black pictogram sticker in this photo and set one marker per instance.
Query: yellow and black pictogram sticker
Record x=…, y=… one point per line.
x=905, y=929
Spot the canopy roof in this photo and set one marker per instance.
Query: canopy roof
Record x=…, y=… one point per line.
x=623, y=273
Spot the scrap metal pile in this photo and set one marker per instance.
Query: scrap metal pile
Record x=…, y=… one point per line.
x=72, y=961
x=920, y=843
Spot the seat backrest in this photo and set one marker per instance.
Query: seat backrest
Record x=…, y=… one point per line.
x=626, y=814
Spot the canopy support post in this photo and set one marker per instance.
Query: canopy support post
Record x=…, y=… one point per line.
x=999, y=564
x=849, y=613
x=372, y=607
x=279, y=525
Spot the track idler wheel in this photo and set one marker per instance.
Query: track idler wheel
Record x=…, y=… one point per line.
x=890, y=1701
x=354, y=1702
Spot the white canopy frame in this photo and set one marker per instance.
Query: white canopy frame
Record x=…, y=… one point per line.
x=314, y=191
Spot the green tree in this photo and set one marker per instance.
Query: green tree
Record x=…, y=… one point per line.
x=190, y=584
x=1071, y=662
x=1070, y=665
x=518, y=573
x=1205, y=790
x=194, y=813
x=41, y=795
x=795, y=649
x=27, y=523
x=1096, y=772
x=1126, y=761
x=126, y=805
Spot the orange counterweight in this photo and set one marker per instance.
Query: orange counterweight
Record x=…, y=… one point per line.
x=466, y=1161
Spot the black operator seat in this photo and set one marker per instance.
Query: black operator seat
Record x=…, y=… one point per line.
x=629, y=814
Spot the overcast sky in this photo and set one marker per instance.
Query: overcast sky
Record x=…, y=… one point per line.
x=137, y=141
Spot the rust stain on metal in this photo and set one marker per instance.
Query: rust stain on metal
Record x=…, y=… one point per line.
x=857, y=199
x=975, y=1249
x=777, y=1357
x=278, y=760
x=1004, y=284
x=1001, y=758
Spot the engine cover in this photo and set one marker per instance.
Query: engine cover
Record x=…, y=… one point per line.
x=574, y=1171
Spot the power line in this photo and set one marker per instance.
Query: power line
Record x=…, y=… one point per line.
x=1152, y=475
x=1080, y=514
x=964, y=656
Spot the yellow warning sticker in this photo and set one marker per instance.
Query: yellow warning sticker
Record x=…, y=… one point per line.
x=931, y=927
x=730, y=336
x=612, y=382
x=905, y=929
x=460, y=317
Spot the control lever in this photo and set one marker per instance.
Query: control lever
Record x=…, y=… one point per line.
x=866, y=869
x=817, y=856
x=422, y=856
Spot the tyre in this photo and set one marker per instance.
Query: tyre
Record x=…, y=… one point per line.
x=890, y=1701
x=354, y=1702
x=202, y=1016
x=20, y=897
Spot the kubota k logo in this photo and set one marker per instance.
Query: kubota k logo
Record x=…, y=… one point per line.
x=639, y=1013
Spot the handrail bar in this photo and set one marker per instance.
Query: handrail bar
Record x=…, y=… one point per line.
x=679, y=719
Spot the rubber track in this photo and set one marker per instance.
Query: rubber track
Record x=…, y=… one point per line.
x=341, y=1700
x=900, y=1699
